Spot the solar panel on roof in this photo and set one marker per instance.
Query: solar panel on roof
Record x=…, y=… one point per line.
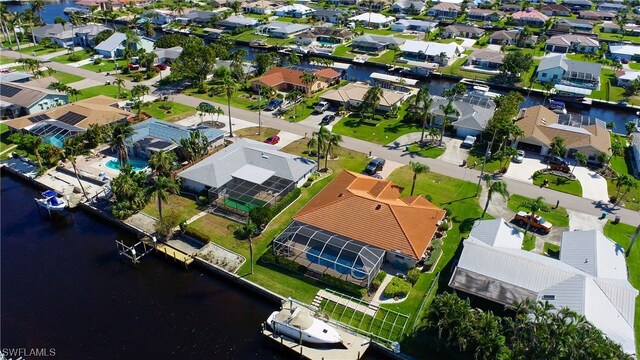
x=8, y=91
x=38, y=118
x=71, y=118
x=161, y=144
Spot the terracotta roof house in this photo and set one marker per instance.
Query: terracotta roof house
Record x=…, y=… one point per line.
x=581, y=133
x=352, y=94
x=530, y=17
x=444, y=11
x=572, y=43
x=461, y=30
x=356, y=223
x=290, y=78
x=20, y=99
x=484, y=15
x=596, y=15
x=555, y=10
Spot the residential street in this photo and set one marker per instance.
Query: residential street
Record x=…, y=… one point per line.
x=515, y=186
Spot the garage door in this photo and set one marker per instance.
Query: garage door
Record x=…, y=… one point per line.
x=530, y=147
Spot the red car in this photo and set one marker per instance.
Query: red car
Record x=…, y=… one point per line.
x=272, y=140
x=134, y=67
x=161, y=66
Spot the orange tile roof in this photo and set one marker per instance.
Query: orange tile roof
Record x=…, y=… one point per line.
x=371, y=211
x=279, y=75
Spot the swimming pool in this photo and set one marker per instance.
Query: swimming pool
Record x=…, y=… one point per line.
x=55, y=140
x=342, y=264
x=137, y=164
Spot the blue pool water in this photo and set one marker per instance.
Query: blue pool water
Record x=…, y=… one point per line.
x=137, y=164
x=327, y=43
x=342, y=264
x=55, y=140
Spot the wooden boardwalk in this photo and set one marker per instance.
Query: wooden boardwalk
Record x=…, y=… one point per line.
x=174, y=253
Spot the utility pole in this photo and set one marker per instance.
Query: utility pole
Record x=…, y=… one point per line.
x=487, y=153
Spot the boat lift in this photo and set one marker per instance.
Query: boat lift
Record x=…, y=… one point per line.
x=136, y=251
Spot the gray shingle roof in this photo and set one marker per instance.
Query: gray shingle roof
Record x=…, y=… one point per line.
x=469, y=116
x=560, y=60
x=166, y=131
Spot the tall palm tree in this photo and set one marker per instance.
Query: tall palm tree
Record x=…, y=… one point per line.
x=621, y=181
x=237, y=64
x=227, y=86
x=292, y=97
x=117, y=141
x=36, y=7
x=534, y=206
x=119, y=82
x=422, y=105
x=333, y=146
x=308, y=79
x=318, y=142
x=5, y=17
x=74, y=20
x=494, y=187
x=417, y=168
x=195, y=146
x=139, y=91
x=448, y=111
x=71, y=149
x=148, y=29
x=371, y=99
x=73, y=92
x=161, y=187
x=162, y=162
x=60, y=20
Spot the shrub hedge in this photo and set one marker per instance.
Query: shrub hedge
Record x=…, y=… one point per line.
x=262, y=215
x=397, y=288
x=413, y=275
x=377, y=281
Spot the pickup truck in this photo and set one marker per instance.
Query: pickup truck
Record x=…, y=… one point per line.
x=537, y=222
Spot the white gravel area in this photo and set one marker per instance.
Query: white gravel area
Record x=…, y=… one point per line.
x=221, y=257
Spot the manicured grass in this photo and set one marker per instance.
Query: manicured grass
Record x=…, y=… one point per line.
x=608, y=91
x=558, y=217
x=615, y=37
x=529, y=242
x=426, y=151
x=250, y=36
x=64, y=58
x=558, y=183
x=386, y=57
x=184, y=207
x=107, y=90
x=493, y=164
x=582, y=57
x=105, y=66
x=622, y=234
x=382, y=131
x=343, y=51
x=550, y=249
x=240, y=99
x=39, y=50
x=252, y=133
x=6, y=60
x=375, y=31
x=66, y=78
x=456, y=69
x=4, y=135
x=178, y=111
x=634, y=65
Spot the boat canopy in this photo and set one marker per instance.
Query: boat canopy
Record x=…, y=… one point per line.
x=49, y=194
x=556, y=103
x=572, y=90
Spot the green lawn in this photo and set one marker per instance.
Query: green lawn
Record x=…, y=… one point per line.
x=621, y=165
x=250, y=36
x=608, y=91
x=39, y=50
x=4, y=135
x=634, y=65
x=343, y=51
x=529, y=242
x=6, y=60
x=375, y=31
x=105, y=66
x=107, y=90
x=64, y=58
x=558, y=217
x=178, y=111
x=621, y=234
x=582, y=57
x=380, y=131
x=493, y=164
x=558, y=183
x=551, y=249
x=252, y=133
x=615, y=37
x=386, y=57
x=185, y=208
x=66, y=78
x=456, y=69
x=426, y=151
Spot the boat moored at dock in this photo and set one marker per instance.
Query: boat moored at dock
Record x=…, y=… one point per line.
x=297, y=323
x=51, y=201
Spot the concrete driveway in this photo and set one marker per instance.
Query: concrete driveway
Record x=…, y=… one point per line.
x=389, y=167
x=314, y=120
x=454, y=154
x=467, y=43
x=582, y=221
x=524, y=171
x=286, y=138
x=594, y=186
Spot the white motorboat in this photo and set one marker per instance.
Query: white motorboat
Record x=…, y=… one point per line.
x=483, y=90
x=51, y=201
x=297, y=323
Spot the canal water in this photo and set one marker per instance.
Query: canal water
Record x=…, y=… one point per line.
x=65, y=287
x=53, y=8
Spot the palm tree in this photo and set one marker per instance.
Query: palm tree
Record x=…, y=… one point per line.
x=630, y=183
x=494, y=187
x=308, y=79
x=162, y=162
x=60, y=20
x=117, y=141
x=292, y=97
x=36, y=7
x=148, y=28
x=448, y=111
x=318, y=142
x=534, y=206
x=246, y=231
x=423, y=103
x=417, y=168
x=75, y=20
x=161, y=187
x=5, y=17
x=119, y=82
x=73, y=92
x=371, y=99
x=227, y=86
x=557, y=146
x=237, y=64
x=139, y=91
x=581, y=158
x=71, y=149
x=195, y=146
x=603, y=158
x=333, y=146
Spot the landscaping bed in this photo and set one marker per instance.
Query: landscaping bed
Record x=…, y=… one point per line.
x=558, y=183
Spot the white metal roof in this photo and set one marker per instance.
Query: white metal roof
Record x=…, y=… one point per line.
x=591, y=252
x=373, y=18
x=253, y=174
x=430, y=48
x=394, y=79
x=497, y=232
x=573, y=89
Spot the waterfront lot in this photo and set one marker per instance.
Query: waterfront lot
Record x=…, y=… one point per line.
x=184, y=207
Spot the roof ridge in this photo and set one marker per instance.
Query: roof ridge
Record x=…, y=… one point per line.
x=303, y=212
x=404, y=232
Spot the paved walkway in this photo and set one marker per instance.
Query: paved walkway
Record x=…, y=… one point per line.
x=515, y=186
x=367, y=309
x=377, y=297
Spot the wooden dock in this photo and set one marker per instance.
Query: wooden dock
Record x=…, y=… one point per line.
x=174, y=253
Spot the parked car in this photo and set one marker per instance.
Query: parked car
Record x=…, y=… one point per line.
x=272, y=140
x=374, y=166
x=468, y=142
x=321, y=107
x=134, y=66
x=558, y=163
x=161, y=66
x=327, y=119
x=538, y=223
x=274, y=104
x=96, y=57
x=518, y=157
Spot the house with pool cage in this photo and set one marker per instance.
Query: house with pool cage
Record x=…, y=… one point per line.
x=358, y=224
x=246, y=175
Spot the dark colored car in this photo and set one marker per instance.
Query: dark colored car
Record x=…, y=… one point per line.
x=327, y=119
x=272, y=140
x=374, y=166
x=557, y=160
x=274, y=104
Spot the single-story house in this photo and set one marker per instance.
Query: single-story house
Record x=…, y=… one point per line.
x=343, y=2
x=472, y=118
x=596, y=15
x=281, y=30
x=530, y=17
x=590, y=277
x=68, y=36
x=625, y=77
x=54, y=124
x=581, y=133
x=155, y=135
x=197, y=17
x=510, y=37
x=329, y=15
x=461, y=30
x=623, y=52
x=113, y=47
x=294, y=10
x=18, y=99
x=237, y=22
x=510, y=8
x=555, y=10
x=290, y=78
x=375, y=43
x=169, y=55
x=572, y=43
x=352, y=94
x=247, y=67
x=258, y=7
x=635, y=149
x=578, y=4
x=373, y=20
x=335, y=232
x=15, y=77
x=375, y=7
x=441, y=54
x=444, y=10
x=558, y=69
x=159, y=16
x=408, y=6
x=574, y=26
x=247, y=174
x=612, y=7
x=628, y=29
x=225, y=3
x=486, y=59
x=413, y=25
x=324, y=35
x=484, y=15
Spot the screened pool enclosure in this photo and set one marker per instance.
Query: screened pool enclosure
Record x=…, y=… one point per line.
x=243, y=193
x=327, y=253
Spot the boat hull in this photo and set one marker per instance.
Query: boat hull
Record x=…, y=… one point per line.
x=54, y=208
x=330, y=337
